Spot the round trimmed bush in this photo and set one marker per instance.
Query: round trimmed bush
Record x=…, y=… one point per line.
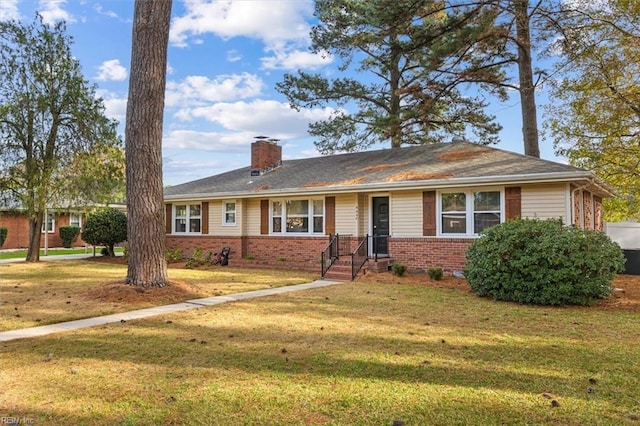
x=107, y=227
x=543, y=262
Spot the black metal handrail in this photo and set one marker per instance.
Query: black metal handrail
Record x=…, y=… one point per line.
x=359, y=257
x=330, y=254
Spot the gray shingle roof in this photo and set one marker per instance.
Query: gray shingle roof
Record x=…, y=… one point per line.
x=438, y=164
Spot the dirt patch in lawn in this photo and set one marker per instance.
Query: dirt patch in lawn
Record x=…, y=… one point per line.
x=625, y=297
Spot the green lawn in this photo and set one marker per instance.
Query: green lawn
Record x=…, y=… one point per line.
x=21, y=254
x=353, y=354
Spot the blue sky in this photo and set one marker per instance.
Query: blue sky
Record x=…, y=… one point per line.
x=224, y=60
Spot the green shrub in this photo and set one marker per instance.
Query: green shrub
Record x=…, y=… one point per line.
x=68, y=235
x=543, y=262
x=3, y=235
x=398, y=269
x=105, y=227
x=174, y=255
x=435, y=273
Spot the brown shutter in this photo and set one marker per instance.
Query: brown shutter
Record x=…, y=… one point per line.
x=429, y=213
x=264, y=217
x=204, y=217
x=330, y=215
x=512, y=197
x=167, y=218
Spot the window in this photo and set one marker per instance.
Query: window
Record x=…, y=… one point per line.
x=49, y=224
x=187, y=218
x=486, y=210
x=469, y=212
x=454, y=213
x=75, y=220
x=297, y=216
x=229, y=213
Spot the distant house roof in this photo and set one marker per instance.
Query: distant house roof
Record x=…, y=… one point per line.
x=426, y=166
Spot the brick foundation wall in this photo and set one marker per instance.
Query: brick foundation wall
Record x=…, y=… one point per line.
x=424, y=253
x=304, y=252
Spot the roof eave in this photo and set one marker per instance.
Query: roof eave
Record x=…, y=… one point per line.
x=519, y=179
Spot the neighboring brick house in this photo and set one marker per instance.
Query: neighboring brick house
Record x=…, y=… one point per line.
x=17, y=226
x=425, y=204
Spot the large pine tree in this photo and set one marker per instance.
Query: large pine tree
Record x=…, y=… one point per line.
x=143, y=140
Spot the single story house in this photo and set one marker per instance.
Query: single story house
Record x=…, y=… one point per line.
x=13, y=218
x=17, y=226
x=420, y=205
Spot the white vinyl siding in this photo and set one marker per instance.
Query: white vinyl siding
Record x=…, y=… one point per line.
x=406, y=213
x=361, y=213
x=216, y=226
x=346, y=214
x=252, y=217
x=545, y=202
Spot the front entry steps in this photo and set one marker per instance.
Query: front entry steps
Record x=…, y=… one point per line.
x=339, y=271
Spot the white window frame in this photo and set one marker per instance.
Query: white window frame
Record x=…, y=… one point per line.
x=49, y=224
x=187, y=218
x=226, y=211
x=71, y=221
x=284, y=216
x=469, y=210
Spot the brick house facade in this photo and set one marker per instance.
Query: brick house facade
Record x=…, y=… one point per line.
x=427, y=204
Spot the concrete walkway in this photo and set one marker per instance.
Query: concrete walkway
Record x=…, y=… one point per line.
x=44, y=330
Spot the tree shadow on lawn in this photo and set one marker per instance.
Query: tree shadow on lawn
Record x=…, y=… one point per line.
x=172, y=345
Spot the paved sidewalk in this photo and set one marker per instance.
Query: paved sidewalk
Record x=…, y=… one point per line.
x=44, y=330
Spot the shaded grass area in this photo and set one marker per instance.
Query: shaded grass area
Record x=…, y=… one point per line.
x=350, y=354
x=22, y=254
x=42, y=293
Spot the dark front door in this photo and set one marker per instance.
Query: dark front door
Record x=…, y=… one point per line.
x=380, y=207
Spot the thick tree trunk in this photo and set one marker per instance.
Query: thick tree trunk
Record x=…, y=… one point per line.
x=143, y=139
x=35, y=233
x=525, y=74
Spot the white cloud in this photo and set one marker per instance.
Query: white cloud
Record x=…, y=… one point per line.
x=233, y=55
x=111, y=70
x=197, y=89
x=207, y=141
x=115, y=107
x=52, y=11
x=269, y=21
x=272, y=118
x=9, y=10
x=295, y=59
x=102, y=11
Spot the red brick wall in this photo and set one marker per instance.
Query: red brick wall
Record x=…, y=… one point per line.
x=415, y=253
x=588, y=210
x=189, y=243
x=298, y=249
x=18, y=231
x=430, y=252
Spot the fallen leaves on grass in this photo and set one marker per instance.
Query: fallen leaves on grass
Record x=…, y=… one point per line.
x=625, y=297
x=173, y=292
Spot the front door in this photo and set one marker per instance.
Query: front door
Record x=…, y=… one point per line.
x=380, y=220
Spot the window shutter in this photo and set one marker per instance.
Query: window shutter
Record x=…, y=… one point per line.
x=204, y=217
x=167, y=218
x=429, y=213
x=330, y=215
x=264, y=217
x=513, y=205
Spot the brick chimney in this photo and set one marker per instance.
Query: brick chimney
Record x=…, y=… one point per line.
x=265, y=155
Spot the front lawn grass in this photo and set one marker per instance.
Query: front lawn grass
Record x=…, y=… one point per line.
x=22, y=254
x=33, y=294
x=351, y=354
